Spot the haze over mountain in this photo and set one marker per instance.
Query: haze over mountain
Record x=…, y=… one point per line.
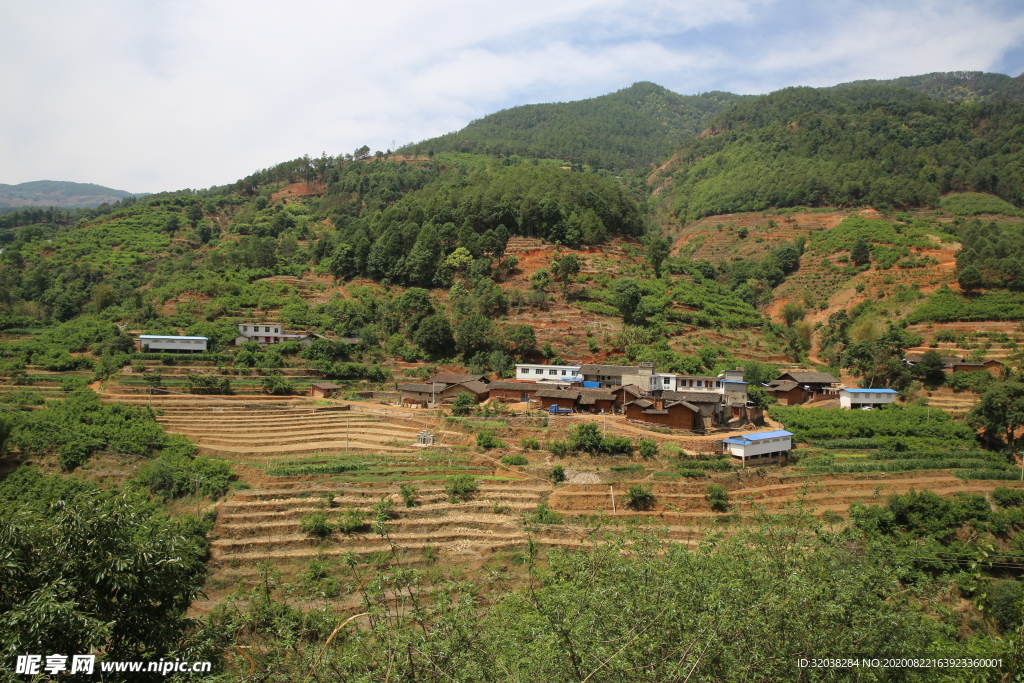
x=59, y=193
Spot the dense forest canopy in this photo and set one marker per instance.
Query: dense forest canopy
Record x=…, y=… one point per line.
x=876, y=145
x=957, y=86
x=625, y=129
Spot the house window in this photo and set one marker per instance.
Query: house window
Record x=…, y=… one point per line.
x=276, y=330
x=524, y=371
x=245, y=328
x=563, y=373
x=666, y=381
x=700, y=383
x=266, y=329
x=538, y=371
x=552, y=372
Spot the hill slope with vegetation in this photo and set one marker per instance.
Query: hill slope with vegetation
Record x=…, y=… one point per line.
x=58, y=193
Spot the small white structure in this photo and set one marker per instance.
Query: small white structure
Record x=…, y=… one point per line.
x=759, y=445
x=548, y=373
x=166, y=342
x=268, y=333
x=866, y=398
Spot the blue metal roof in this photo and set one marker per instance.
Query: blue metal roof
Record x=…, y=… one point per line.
x=871, y=391
x=759, y=436
x=169, y=336
x=733, y=381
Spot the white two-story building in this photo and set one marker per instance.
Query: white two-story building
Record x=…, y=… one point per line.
x=548, y=373
x=268, y=333
x=759, y=445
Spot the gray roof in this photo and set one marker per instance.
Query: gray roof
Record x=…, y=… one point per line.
x=811, y=377
x=515, y=386
x=612, y=370
x=692, y=396
x=415, y=387
x=584, y=396
x=326, y=385
x=782, y=385
x=685, y=404
x=456, y=378
x=476, y=386
x=630, y=389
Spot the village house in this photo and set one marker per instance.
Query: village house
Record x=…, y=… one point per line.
x=442, y=389
x=535, y=372
x=507, y=391
x=323, y=389
x=866, y=398
x=793, y=388
x=269, y=333
x=672, y=414
x=580, y=400
x=759, y=446
x=162, y=342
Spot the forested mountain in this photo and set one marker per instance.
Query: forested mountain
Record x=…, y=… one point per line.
x=878, y=145
x=628, y=128
x=957, y=86
x=58, y=193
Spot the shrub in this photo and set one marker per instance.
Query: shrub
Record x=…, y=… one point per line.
x=560, y=447
x=1006, y=497
x=717, y=497
x=168, y=359
x=316, y=524
x=352, y=521
x=684, y=472
x=485, y=439
x=1004, y=597
x=544, y=515
x=528, y=443
x=628, y=468
x=408, y=493
x=557, y=474
x=648, y=448
x=617, y=445
x=460, y=486
x=463, y=404
x=514, y=460
x=585, y=438
x=328, y=498
x=277, y=385
x=639, y=497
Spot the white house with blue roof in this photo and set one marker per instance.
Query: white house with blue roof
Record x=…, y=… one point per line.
x=866, y=399
x=759, y=445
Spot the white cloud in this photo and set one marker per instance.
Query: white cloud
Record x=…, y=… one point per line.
x=168, y=95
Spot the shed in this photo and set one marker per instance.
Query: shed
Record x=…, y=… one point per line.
x=759, y=445
x=166, y=342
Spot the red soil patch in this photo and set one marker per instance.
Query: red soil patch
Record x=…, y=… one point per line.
x=293, y=192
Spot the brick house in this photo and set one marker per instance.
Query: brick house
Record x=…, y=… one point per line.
x=513, y=391
x=675, y=415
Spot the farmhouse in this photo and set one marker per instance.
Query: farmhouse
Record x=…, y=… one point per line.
x=513, y=391
x=160, y=342
x=547, y=373
x=420, y=394
x=269, y=333
x=866, y=398
x=673, y=414
x=792, y=388
x=323, y=389
x=992, y=365
x=611, y=376
x=581, y=400
x=760, y=445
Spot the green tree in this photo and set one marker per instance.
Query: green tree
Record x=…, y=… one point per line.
x=930, y=367
x=657, y=251
x=521, y=338
x=473, y=334
x=568, y=269
x=969, y=278
x=194, y=214
x=434, y=335
x=628, y=299
x=96, y=572
x=6, y=428
x=463, y=404
x=1000, y=412
x=792, y=312
x=172, y=223
x=585, y=437
x=860, y=252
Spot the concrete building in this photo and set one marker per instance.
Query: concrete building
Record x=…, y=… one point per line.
x=866, y=398
x=160, y=342
x=761, y=445
x=269, y=333
x=536, y=372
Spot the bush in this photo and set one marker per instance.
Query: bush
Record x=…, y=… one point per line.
x=648, y=448
x=684, y=472
x=544, y=515
x=463, y=404
x=557, y=474
x=460, y=486
x=639, y=497
x=408, y=493
x=1004, y=597
x=352, y=521
x=560, y=447
x=585, y=438
x=168, y=359
x=1006, y=497
x=528, y=443
x=617, y=445
x=316, y=524
x=717, y=497
x=485, y=439
x=277, y=385
x=514, y=460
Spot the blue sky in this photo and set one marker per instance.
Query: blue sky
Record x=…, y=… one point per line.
x=167, y=95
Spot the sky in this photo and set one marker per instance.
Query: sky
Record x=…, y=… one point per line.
x=156, y=96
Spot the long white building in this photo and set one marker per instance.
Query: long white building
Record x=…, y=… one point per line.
x=548, y=373
x=866, y=398
x=166, y=342
x=759, y=445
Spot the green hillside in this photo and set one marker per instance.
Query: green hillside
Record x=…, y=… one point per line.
x=877, y=145
x=628, y=128
x=59, y=193
x=957, y=86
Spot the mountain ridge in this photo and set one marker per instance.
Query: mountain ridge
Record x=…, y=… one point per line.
x=59, y=193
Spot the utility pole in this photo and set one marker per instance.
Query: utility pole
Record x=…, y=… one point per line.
x=198, y=479
x=347, y=421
